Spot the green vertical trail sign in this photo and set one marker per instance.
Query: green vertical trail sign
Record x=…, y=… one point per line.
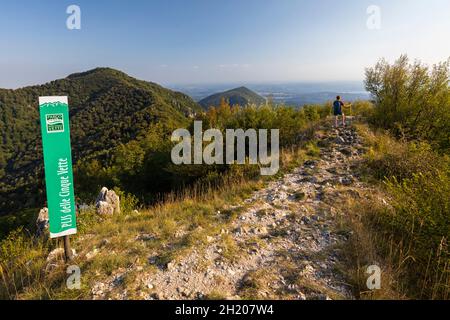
x=54, y=114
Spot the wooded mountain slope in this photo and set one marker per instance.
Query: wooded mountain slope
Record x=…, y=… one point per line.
x=107, y=108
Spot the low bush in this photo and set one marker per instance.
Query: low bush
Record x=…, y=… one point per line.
x=412, y=228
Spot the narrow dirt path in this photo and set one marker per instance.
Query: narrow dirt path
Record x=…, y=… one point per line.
x=285, y=245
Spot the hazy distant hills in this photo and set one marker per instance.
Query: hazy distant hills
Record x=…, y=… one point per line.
x=293, y=94
x=239, y=96
x=315, y=97
x=107, y=108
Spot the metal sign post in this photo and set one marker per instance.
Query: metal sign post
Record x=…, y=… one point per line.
x=54, y=115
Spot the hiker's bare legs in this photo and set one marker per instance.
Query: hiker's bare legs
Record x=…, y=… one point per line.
x=336, y=120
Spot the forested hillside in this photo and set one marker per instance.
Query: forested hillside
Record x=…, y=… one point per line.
x=107, y=108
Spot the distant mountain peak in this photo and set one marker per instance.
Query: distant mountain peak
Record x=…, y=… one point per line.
x=238, y=96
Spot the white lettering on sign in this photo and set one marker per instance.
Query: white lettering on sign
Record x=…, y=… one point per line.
x=65, y=206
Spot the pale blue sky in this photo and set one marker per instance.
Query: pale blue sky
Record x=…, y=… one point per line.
x=212, y=41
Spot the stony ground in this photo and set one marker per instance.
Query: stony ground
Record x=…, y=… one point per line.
x=285, y=244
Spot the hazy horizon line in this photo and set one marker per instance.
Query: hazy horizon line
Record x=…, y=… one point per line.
x=213, y=83
x=194, y=83
x=262, y=82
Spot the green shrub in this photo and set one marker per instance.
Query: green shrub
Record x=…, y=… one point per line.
x=22, y=263
x=128, y=202
x=312, y=149
x=421, y=222
x=417, y=217
x=364, y=109
x=412, y=100
x=24, y=218
x=389, y=158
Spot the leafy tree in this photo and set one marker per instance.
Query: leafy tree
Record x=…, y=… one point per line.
x=412, y=99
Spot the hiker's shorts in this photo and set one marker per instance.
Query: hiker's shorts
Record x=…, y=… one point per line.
x=337, y=111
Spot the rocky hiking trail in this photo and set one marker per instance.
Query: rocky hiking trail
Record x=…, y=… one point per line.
x=286, y=240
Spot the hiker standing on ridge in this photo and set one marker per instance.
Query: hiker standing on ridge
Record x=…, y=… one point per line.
x=337, y=111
